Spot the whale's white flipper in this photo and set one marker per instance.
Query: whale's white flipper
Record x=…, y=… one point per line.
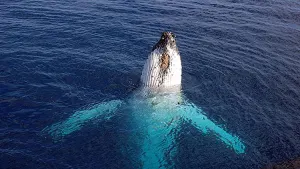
x=193, y=114
x=79, y=118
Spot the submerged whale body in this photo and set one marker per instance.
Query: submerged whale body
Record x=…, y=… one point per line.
x=158, y=107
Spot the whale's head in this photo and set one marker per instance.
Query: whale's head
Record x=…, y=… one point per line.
x=167, y=40
x=163, y=66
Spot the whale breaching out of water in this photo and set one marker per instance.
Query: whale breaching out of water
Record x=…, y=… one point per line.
x=157, y=108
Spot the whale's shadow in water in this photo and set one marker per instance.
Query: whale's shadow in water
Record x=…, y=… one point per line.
x=156, y=118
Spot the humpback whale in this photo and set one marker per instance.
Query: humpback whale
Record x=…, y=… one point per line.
x=157, y=107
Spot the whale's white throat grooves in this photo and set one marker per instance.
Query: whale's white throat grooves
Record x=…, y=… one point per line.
x=154, y=75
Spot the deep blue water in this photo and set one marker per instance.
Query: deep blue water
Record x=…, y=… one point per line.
x=241, y=65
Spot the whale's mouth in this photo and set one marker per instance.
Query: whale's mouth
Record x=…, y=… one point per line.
x=167, y=39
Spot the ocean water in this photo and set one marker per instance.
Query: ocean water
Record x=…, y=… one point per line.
x=241, y=65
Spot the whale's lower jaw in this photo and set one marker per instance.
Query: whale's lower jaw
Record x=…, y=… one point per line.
x=155, y=74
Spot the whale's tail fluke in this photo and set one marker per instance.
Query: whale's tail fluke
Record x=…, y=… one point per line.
x=193, y=114
x=80, y=118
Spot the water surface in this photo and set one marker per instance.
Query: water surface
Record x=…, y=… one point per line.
x=240, y=65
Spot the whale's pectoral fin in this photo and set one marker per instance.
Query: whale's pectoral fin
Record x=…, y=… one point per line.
x=192, y=113
x=79, y=118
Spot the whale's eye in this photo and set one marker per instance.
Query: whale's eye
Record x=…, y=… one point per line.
x=173, y=35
